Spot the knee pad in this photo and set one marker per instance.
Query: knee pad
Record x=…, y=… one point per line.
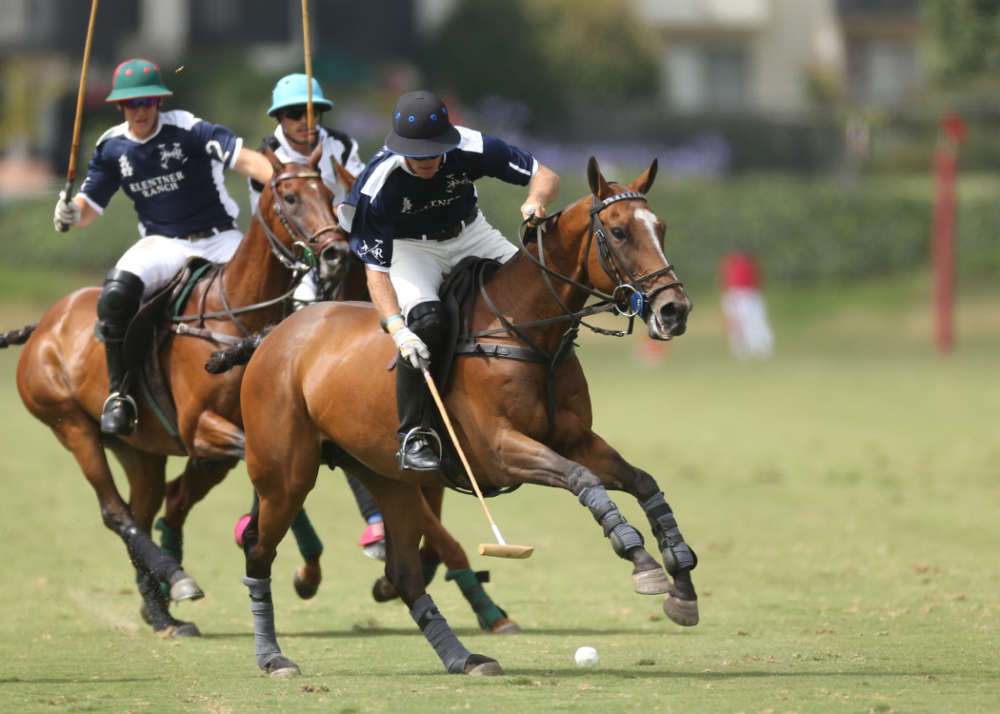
x=427, y=320
x=119, y=300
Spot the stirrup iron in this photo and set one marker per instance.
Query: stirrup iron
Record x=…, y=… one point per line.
x=127, y=398
x=415, y=432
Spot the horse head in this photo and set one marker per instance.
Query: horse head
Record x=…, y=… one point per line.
x=296, y=209
x=628, y=261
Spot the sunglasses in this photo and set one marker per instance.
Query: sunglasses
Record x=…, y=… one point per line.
x=296, y=113
x=144, y=102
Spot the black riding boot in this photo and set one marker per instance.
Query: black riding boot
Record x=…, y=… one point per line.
x=117, y=305
x=415, y=439
x=413, y=399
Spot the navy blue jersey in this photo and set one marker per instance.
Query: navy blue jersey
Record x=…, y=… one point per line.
x=174, y=177
x=388, y=202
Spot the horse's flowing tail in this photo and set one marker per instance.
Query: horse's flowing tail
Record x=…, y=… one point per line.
x=224, y=360
x=16, y=337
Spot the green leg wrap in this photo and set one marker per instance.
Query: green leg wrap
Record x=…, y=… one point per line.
x=171, y=541
x=471, y=587
x=305, y=535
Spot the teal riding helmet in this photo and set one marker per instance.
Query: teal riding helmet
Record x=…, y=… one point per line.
x=292, y=90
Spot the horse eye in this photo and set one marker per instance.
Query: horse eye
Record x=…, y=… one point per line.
x=618, y=233
x=289, y=198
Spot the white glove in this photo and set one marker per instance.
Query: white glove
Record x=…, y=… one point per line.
x=411, y=347
x=66, y=214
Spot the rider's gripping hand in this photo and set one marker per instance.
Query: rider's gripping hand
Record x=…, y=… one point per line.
x=411, y=347
x=66, y=214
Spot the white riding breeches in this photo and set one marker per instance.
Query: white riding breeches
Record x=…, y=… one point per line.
x=418, y=266
x=750, y=333
x=156, y=259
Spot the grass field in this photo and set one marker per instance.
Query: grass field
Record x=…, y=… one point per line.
x=842, y=498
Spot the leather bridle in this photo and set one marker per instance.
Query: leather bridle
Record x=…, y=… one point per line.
x=306, y=243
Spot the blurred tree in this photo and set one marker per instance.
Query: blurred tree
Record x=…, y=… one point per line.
x=549, y=54
x=964, y=38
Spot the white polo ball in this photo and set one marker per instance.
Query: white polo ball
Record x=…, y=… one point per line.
x=586, y=657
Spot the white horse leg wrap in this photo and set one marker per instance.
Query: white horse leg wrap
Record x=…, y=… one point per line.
x=265, y=642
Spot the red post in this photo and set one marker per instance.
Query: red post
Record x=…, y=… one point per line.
x=943, y=238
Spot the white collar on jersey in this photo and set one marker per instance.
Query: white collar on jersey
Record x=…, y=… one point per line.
x=279, y=134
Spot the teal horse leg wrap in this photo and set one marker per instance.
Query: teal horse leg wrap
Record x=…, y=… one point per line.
x=305, y=535
x=435, y=628
x=265, y=641
x=171, y=541
x=471, y=586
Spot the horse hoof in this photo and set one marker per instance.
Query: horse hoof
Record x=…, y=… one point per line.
x=282, y=668
x=303, y=588
x=383, y=591
x=482, y=666
x=505, y=626
x=683, y=612
x=651, y=582
x=144, y=614
x=179, y=629
x=185, y=589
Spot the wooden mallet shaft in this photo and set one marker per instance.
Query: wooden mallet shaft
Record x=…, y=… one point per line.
x=500, y=549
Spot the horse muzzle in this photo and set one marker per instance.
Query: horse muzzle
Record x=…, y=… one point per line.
x=334, y=261
x=668, y=315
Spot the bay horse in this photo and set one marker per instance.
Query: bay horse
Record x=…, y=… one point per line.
x=320, y=376
x=62, y=380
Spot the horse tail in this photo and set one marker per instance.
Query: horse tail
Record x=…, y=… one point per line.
x=16, y=337
x=224, y=360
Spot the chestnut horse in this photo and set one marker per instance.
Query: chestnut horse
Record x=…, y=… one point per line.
x=54, y=381
x=62, y=379
x=321, y=376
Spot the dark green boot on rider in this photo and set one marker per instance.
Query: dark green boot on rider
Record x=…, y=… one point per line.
x=117, y=305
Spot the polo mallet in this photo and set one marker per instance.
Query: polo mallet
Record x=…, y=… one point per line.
x=500, y=549
x=71, y=169
x=310, y=126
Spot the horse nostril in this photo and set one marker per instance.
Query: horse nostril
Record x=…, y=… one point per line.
x=674, y=312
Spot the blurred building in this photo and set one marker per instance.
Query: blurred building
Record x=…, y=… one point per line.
x=751, y=67
x=784, y=56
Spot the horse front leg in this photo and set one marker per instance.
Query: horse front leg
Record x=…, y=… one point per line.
x=82, y=439
x=282, y=480
x=145, y=473
x=404, y=528
x=681, y=601
x=533, y=462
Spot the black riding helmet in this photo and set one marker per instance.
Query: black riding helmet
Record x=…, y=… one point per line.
x=421, y=127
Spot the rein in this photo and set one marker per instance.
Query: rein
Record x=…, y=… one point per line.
x=298, y=266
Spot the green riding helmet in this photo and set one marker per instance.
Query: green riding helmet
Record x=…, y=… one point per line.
x=136, y=79
x=292, y=91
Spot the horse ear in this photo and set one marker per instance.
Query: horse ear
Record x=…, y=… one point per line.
x=343, y=175
x=315, y=156
x=598, y=186
x=645, y=181
x=275, y=161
